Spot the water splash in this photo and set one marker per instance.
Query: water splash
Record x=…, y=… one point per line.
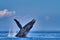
x=12, y=32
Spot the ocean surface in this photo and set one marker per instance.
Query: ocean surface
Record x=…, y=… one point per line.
x=35, y=35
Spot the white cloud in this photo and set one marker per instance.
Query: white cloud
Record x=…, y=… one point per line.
x=6, y=12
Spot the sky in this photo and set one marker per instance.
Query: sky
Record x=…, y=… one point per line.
x=45, y=12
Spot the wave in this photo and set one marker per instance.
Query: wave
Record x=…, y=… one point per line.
x=35, y=34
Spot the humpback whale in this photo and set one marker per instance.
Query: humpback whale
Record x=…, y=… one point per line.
x=24, y=30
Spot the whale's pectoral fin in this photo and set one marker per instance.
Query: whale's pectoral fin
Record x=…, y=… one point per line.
x=29, y=25
x=19, y=25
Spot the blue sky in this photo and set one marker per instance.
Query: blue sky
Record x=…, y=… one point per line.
x=46, y=13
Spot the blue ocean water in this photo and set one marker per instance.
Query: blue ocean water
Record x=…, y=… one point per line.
x=35, y=35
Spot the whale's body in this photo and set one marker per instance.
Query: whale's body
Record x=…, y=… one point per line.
x=24, y=30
